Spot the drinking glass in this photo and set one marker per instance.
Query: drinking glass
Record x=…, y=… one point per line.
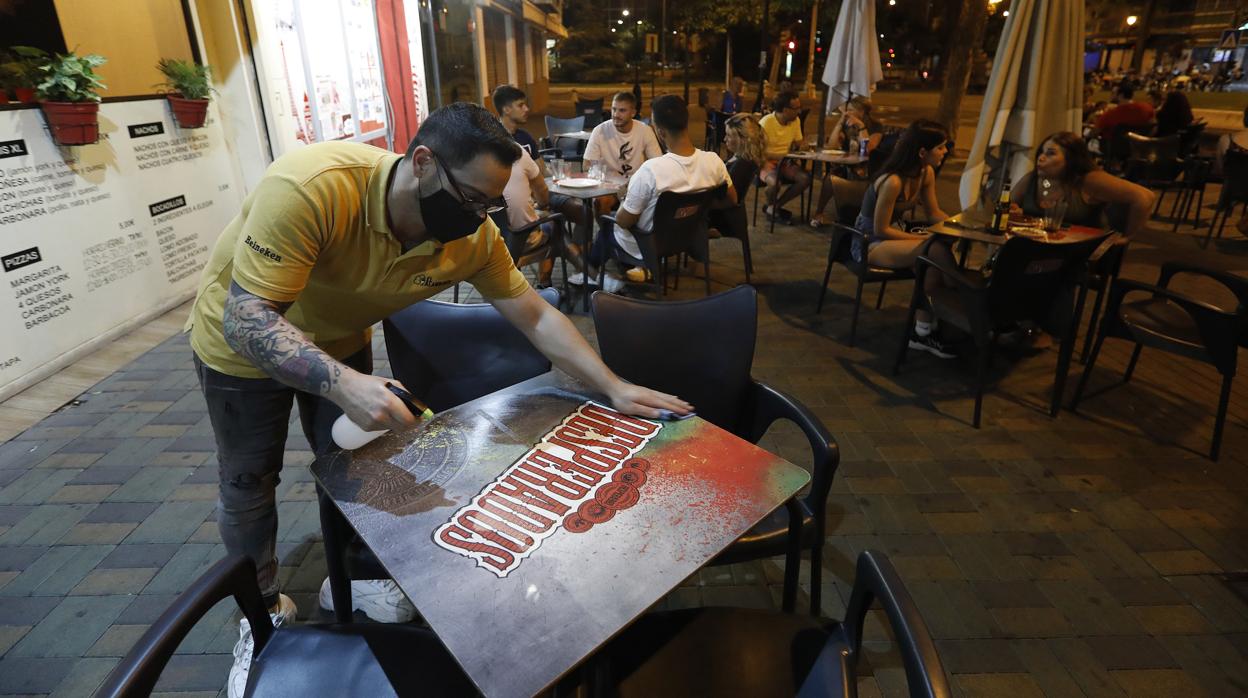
x=596, y=171
x=559, y=170
x=1054, y=215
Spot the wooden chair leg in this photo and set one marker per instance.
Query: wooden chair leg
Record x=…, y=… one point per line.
x=1135, y=356
x=1220, y=420
x=853, y=323
x=879, y=300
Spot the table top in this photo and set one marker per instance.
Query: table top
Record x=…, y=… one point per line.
x=974, y=225
x=836, y=158
x=529, y=526
x=607, y=188
x=578, y=135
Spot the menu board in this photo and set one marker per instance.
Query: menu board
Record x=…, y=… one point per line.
x=95, y=237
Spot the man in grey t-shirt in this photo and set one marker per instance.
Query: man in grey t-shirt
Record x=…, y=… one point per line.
x=622, y=143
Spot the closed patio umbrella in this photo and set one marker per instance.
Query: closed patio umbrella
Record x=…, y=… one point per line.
x=1036, y=88
x=853, y=66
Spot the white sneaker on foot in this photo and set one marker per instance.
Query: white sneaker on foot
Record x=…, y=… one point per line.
x=283, y=612
x=379, y=599
x=577, y=279
x=612, y=283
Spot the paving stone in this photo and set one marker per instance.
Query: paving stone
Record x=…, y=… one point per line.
x=32, y=675
x=150, y=485
x=1226, y=611
x=145, y=609
x=1156, y=682
x=1130, y=652
x=107, y=582
x=978, y=657
x=1032, y=622
x=139, y=555
x=96, y=534
x=45, y=525
x=25, y=610
x=172, y=522
x=1211, y=660
x=85, y=677
x=71, y=628
x=57, y=570
x=1171, y=562
x=117, y=640
x=203, y=672
x=9, y=635
x=184, y=567
x=997, y=684
x=105, y=475
x=121, y=512
x=1084, y=667
x=17, y=558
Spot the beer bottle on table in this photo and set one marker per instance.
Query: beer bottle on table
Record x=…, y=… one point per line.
x=1001, y=211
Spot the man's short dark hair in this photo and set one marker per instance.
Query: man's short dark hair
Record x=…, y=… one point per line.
x=506, y=95
x=625, y=97
x=780, y=101
x=1125, y=90
x=459, y=132
x=670, y=113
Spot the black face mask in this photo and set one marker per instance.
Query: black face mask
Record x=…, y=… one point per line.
x=445, y=218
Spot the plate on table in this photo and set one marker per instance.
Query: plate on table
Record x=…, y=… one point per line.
x=833, y=152
x=1029, y=232
x=579, y=182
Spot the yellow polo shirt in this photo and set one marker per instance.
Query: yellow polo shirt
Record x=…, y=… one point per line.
x=314, y=233
x=777, y=136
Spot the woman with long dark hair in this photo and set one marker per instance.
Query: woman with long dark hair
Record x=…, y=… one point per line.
x=907, y=179
x=1065, y=171
x=1174, y=115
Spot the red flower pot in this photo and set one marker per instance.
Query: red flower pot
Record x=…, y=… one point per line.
x=25, y=94
x=189, y=113
x=73, y=123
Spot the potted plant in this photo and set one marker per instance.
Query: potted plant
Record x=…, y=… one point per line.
x=191, y=82
x=67, y=94
x=20, y=71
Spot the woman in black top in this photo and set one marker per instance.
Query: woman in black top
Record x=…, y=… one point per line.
x=1174, y=115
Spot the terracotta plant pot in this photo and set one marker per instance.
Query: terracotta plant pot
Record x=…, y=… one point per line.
x=72, y=123
x=25, y=94
x=189, y=113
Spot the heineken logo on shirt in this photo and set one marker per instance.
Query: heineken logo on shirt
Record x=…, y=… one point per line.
x=262, y=250
x=426, y=280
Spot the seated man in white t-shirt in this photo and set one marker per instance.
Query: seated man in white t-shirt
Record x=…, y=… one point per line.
x=683, y=169
x=622, y=143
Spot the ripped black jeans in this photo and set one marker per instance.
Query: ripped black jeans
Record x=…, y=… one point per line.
x=250, y=417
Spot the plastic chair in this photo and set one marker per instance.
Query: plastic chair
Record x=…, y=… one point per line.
x=1154, y=163
x=679, y=227
x=1196, y=174
x=841, y=251
x=749, y=652
x=702, y=351
x=1104, y=265
x=1178, y=324
x=731, y=221
x=569, y=148
x=517, y=240
x=445, y=354
x=591, y=110
x=1030, y=280
x=1234, y=191
x=360, y=659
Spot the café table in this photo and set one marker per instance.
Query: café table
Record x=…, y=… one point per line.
x=575, y=135
x=530, y=526
x=587, y=195
x=974, y=225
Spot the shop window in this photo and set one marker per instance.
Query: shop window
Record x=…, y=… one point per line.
x=331, y=64
x=453, y=29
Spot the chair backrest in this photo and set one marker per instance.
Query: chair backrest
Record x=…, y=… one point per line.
x=1029, y=275
x=876, y=580
x=1153, y=159
x=841, y=247
x=1189, y=139
x=680, y=221
x=516, y=241
x=590, y=110
x=570, y=147
x=1234, y=178
x=447, y=354
x=742, y=172
x=700, y=350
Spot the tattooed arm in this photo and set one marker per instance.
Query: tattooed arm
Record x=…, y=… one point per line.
x=256, y=328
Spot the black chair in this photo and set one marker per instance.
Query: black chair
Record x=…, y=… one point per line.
x=1030, y=280
x=517, y=240
x=680, y=224
x=1104, y=265
x=1197, y=172
x=572, y=149
x=1154, y=163
x=445, y=354
x=716, y=121
x=840, y=251
x=1178, y=324
x=716, y=339
x=731, y=221
x=1234, y=190
x=591, y=110
x=1189, y=139
x=358, y=659
x=748, y=652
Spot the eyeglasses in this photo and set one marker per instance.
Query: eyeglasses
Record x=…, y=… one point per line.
x=470, y=205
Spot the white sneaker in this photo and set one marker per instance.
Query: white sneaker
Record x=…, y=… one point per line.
x=612, y=283
x=577, y=279
x=379, y=599
x=284, y=612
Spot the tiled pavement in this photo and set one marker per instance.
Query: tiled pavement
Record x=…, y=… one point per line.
x=1091, y=554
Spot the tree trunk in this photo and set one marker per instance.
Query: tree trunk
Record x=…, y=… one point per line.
x=688, y=60
x=762, y=58
x=1145, y=27
x=970, y=30
x=727, y=61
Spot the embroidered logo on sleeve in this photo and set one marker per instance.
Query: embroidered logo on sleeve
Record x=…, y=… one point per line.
x=259, y=249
